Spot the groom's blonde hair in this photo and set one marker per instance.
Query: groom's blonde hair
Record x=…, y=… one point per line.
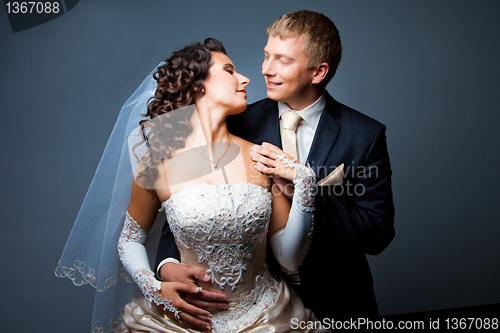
x=320, y=35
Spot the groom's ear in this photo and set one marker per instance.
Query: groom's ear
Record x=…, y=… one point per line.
x=320, y=73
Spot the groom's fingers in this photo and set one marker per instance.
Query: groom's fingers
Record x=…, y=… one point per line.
x=207, y=300
x=172, y=272
x=198, y=274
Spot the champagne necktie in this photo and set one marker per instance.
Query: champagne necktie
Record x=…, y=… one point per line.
x=290, y=121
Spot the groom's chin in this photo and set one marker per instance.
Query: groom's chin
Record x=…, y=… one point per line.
x=271, y=94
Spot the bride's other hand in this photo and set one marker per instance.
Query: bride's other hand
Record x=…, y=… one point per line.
x=267, y=158
x=207, y=300
x=193, y=316
x=267, y=162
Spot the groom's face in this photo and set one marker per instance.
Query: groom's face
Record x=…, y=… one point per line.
x=285, y=68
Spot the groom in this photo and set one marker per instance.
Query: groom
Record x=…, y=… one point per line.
x=354, y=209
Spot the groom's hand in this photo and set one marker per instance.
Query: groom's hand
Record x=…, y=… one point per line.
x=208, y=300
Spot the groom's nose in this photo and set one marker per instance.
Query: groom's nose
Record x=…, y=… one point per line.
x=268, y=67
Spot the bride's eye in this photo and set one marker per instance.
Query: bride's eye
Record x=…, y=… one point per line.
x=229, y=70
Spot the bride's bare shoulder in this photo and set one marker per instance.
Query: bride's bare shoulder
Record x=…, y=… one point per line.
x=244, y=144
x=253, y=176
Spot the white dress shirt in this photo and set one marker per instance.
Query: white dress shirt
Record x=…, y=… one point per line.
x=307, y=127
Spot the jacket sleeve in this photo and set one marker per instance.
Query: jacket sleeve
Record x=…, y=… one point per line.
x=373, y=209
x=359, y=214
x=167, y=247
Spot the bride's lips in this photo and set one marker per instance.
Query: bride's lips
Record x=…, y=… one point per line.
x=243, y=91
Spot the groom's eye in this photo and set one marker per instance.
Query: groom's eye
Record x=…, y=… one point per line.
x=284, y=61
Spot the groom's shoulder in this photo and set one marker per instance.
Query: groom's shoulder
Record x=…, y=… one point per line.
x=350, y=116
x=257, y=113
x=262, y=105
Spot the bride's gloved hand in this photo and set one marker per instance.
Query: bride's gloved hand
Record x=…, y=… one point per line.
x=175, y=291
x=208, y=300
x=167, y=295
x=270, y=160
x=267, y=162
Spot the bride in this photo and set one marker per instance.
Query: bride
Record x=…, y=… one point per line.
x=221, y=210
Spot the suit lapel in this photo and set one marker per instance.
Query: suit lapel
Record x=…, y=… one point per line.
x=326, y=134
x=270, y=129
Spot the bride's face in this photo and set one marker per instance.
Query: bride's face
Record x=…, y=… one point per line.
x=224, y=86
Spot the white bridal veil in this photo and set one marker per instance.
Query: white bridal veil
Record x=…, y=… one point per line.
x=90, y=255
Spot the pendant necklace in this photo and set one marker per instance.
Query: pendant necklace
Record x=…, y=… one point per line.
x=216, y=163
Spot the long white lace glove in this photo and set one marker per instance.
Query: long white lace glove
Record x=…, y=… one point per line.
x=291, y=243
x=134, y=258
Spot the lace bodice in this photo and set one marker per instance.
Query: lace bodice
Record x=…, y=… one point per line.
x=223, y=229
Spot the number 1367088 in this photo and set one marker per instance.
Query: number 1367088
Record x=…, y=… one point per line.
x=33, y=7
x=471, y=323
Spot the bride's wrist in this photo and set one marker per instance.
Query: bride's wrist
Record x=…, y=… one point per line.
x=305, y=187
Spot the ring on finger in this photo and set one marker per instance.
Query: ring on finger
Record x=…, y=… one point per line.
x=178, y=316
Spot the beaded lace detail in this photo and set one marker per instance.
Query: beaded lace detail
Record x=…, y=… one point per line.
x=143, y=276
x=304, y=184
x=224, y=229
x=249, y=307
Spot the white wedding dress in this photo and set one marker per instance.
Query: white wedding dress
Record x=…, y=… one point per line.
x=223, y=229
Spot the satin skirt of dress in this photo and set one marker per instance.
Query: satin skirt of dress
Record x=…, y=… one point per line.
x=284, y=315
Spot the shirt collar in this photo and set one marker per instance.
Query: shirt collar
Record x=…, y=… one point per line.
x=310, y=114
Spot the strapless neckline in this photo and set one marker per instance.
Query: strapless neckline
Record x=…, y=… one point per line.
x=222, y=189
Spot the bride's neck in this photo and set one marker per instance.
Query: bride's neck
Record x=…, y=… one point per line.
x=208, y=126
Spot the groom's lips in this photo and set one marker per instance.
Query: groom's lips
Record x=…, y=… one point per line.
x=270, y=84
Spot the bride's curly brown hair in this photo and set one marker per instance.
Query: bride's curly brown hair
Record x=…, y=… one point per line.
x=179, y=83
x=180, y=79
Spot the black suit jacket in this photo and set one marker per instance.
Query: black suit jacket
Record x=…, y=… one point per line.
x=351, y=220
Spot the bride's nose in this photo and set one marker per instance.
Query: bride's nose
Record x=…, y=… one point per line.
x=244, y=81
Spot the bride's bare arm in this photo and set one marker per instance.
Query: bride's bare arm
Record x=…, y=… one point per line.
x=143, y=206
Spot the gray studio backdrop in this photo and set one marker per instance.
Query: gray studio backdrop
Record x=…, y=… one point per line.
x=429, y=70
